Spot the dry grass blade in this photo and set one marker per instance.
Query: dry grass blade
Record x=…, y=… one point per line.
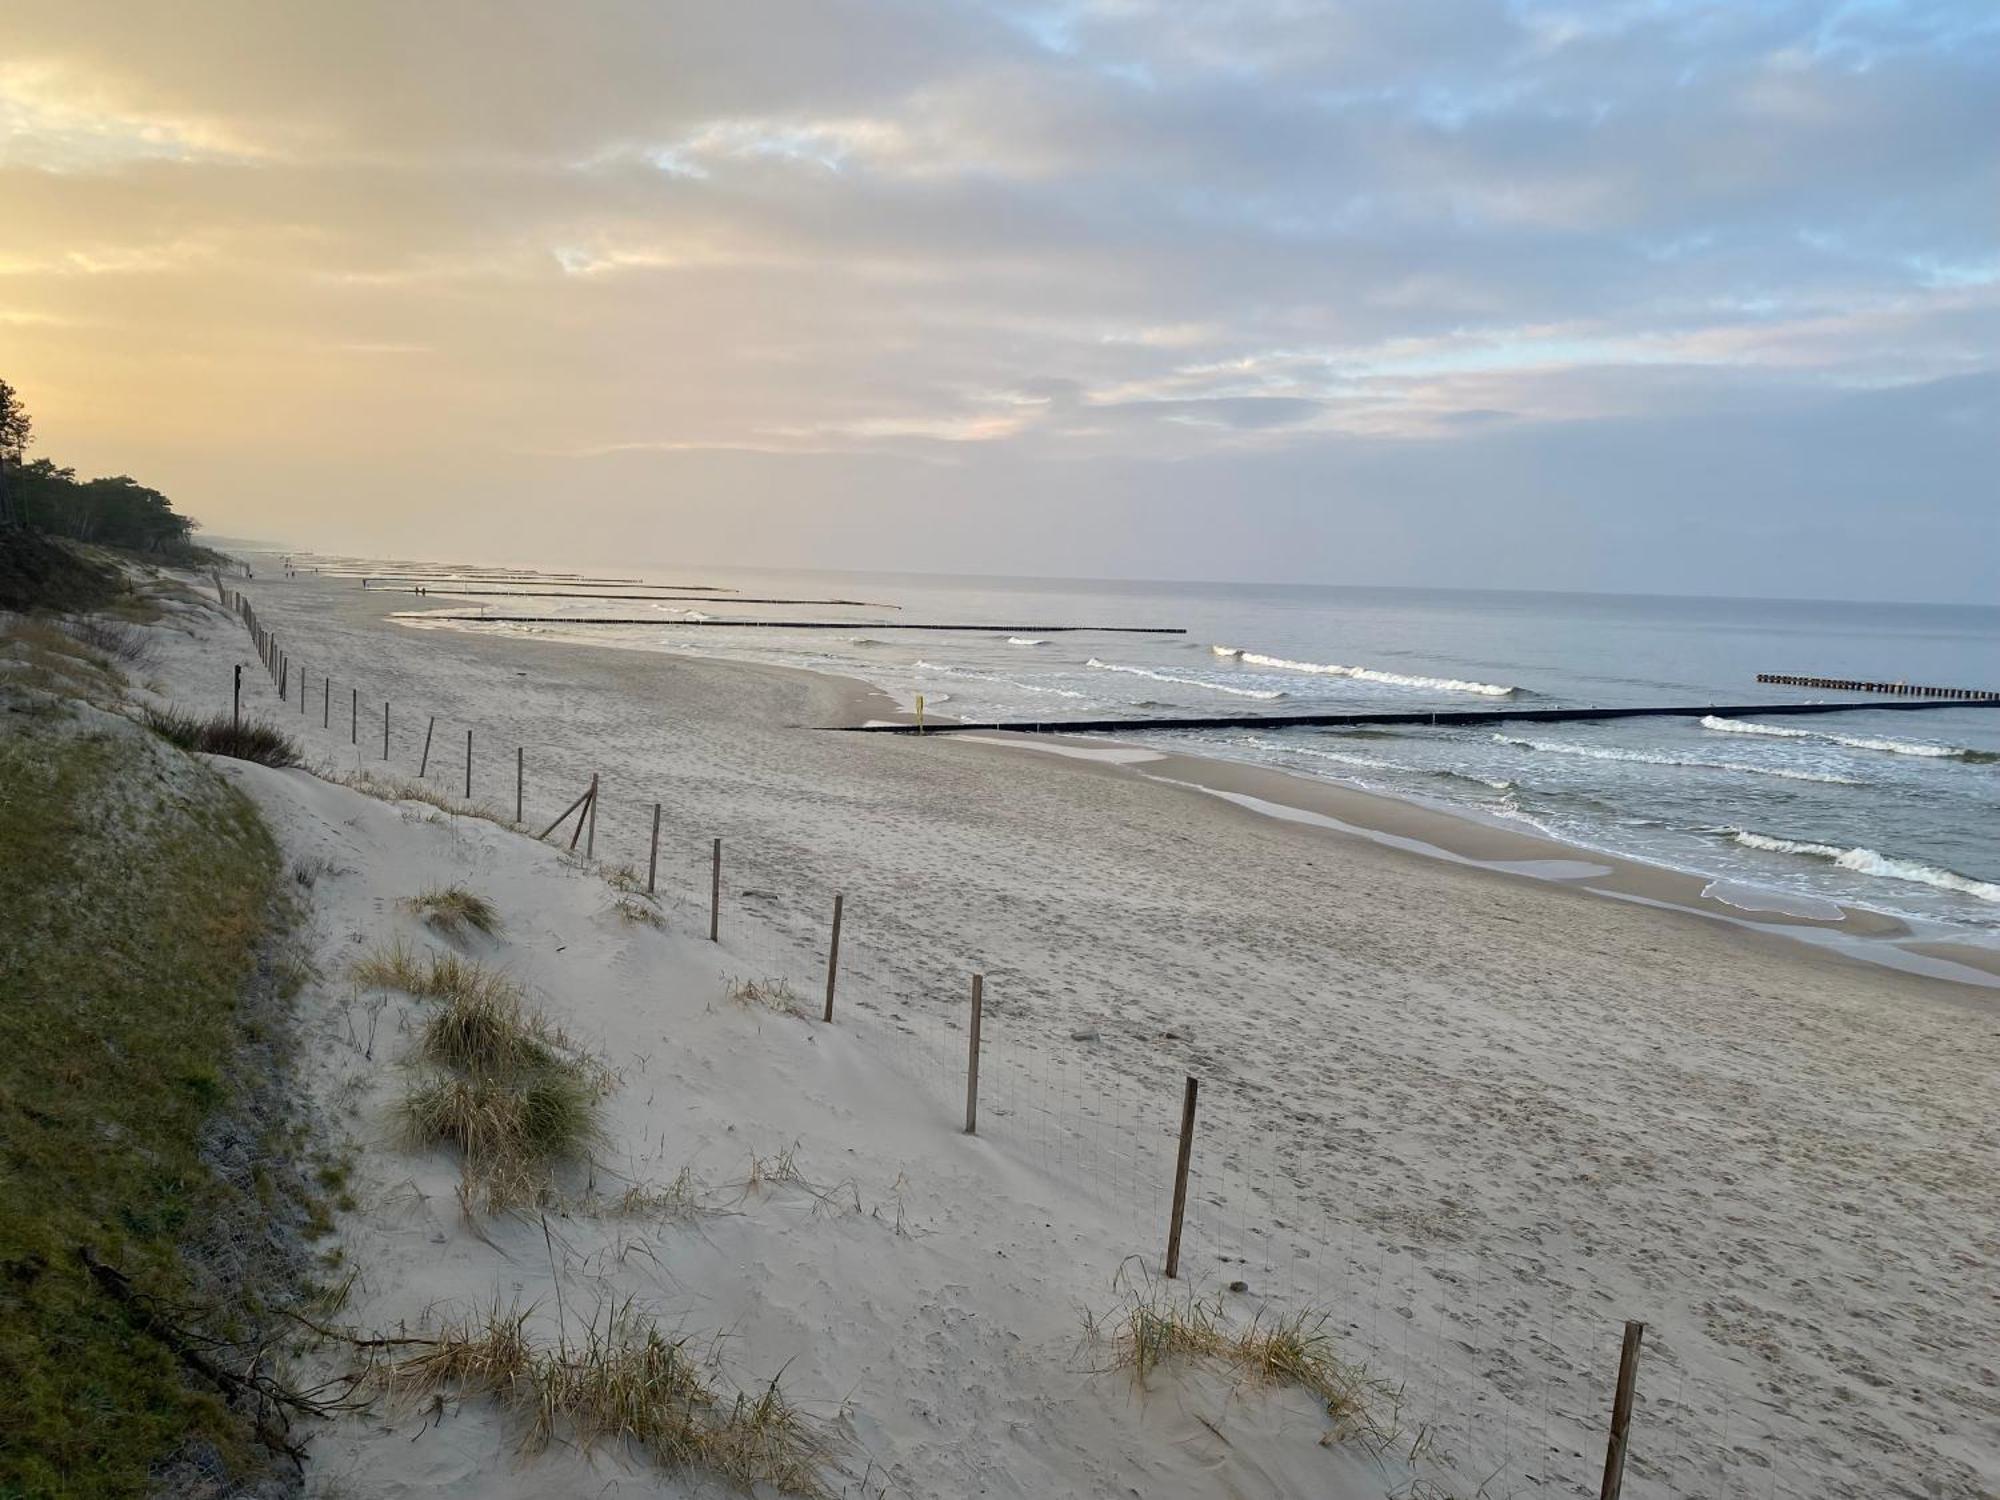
x=685, y=1197
x=454, y=911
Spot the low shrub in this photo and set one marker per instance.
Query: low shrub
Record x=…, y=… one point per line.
x=219, y=734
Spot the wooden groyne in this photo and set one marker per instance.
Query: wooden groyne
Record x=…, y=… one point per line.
x=444, y=589
x=1444, y=716
x=368, y=578
x=797, y=624
x=1904, y=689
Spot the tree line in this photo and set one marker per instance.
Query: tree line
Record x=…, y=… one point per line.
x=116, y=511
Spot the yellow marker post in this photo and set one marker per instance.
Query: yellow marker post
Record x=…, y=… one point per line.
x=920, y=713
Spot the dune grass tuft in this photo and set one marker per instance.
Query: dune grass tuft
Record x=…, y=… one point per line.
x=489, y=1033
x=454, y=911
x=503, y=1124
x=388, y=788
x=500, y=1084
x=218, y=734
x=767, y=994
x=624, y=1383
x=1159, y=1326
x=432, y=975
x=639, y=911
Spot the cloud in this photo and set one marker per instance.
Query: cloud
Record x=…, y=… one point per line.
x=804, y=240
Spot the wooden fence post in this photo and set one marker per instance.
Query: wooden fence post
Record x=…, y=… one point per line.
x=385, y=729
x=326, y=703
x=354, y=716
x=468, y=765
x=236, y=702
x=588, y=804
x=590, y=838
x=567, y=811
x=833, y=959
x=653, y=859
x=1188, y=1097
x=972, y=1058
x=520, y=782
x=425, y=764
x=1621, y=1412
x=302, y=692
x=715, y=895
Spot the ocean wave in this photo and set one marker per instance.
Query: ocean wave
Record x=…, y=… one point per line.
x=1364, y=762
x=1606, y=752
x=1870, y=862
x=1851, y=741
x=1365, y=674
x=1491, y=783
x=1193, y=682
x=1027, y=640
x=1026, y=687
x=1371, y=763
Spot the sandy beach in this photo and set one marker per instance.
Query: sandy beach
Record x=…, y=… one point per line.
x=1482, y=1096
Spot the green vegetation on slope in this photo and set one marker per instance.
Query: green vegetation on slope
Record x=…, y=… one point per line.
x=39, y=573
x=134, y=892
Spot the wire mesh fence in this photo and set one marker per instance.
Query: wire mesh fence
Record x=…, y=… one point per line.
x=1482, y=1373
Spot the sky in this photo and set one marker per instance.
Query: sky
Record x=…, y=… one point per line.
x=1596, y=294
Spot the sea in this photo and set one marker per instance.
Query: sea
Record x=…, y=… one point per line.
x=1899, y=812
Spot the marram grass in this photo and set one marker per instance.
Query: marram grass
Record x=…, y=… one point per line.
x=624, y=1383
x=454, y=911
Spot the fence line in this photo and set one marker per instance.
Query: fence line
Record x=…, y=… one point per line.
x=1470, y=1411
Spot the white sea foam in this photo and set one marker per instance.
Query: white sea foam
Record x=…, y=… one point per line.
x=1027, y=640
x=1870, y=862
x=1365, y=762
x=1851, y=741
x=1371, y=763
x=1026, y=687
x=1364, y=674
x=1193, y=682
x=1606, y=752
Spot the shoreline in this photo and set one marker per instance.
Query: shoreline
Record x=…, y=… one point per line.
x=1859, y=933
x=1424, y=831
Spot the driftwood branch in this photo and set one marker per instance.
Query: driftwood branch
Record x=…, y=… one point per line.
x=268, y=1401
